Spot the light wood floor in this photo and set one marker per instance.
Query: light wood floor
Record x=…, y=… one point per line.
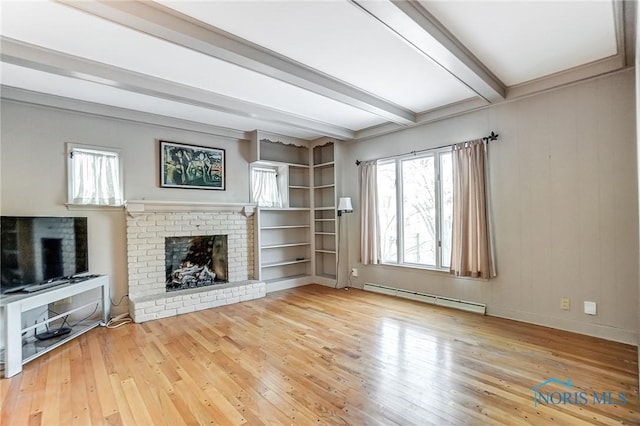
x=315, y=355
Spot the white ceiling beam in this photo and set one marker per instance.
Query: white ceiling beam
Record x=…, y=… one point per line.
x=413, y=23
x=26, y=55
x=167, y=24
x=113, y=112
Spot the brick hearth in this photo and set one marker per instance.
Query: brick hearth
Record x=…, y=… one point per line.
x=148, y=223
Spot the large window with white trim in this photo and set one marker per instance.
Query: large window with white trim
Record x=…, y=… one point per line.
x=94, y=176
x=415, y=207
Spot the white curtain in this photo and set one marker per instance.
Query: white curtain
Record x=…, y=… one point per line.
x=369, y=222
x=264, y=186
x=472, y=246
x=96, y=178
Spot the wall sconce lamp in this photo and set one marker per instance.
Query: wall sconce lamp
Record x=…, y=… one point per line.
x=344, y=205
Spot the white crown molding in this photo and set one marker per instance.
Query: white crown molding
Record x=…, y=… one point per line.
x=515, y=93
x=448, y=111
x=563, y=78
x=182, y=30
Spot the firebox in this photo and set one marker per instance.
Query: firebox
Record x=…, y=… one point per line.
x=196, y=261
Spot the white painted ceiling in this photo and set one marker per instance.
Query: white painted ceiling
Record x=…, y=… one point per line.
x=306, y=69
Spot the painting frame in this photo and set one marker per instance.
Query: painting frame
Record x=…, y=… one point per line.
x=192, y=166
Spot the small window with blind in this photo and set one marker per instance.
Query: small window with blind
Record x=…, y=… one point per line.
x=94, y=176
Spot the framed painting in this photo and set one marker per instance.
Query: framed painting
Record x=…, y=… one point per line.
x=191, y=166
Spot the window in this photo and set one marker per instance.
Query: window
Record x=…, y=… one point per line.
x=415, y=206
x=265, y=188
x=94, y=176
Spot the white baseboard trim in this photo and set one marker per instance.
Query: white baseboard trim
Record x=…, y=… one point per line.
x=327, y=282
x=287, y=283
x=463, y=305
x=589, y=329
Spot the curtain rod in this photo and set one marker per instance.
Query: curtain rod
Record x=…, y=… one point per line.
x=492, y=137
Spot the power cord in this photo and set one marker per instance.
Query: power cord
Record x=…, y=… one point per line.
x=119, y=301
x=119, y=320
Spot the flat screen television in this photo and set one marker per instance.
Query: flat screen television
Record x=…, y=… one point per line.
x=34, y=250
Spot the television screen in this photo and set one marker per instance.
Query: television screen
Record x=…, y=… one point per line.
x=38, y=249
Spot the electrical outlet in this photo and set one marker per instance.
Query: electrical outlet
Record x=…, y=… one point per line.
x=565, y=304
x=590, y=308
x=354, y=272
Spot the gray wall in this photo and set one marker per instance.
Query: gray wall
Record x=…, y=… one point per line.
x=33, y=174
x=565, y=202
x=563, y=180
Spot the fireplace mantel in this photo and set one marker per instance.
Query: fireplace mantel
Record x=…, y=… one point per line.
x=139, y=207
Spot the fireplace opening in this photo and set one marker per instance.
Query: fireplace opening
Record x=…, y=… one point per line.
x=195, y=261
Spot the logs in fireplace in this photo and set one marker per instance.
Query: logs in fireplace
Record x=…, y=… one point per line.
x=195, y=261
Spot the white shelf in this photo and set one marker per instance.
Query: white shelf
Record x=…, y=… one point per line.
x=285, y=245
x=274, y=163
x=325, y=233
x=324, y=220
x=321, y=165
x=325, y=208
x=331, y=185
x=325, y=251
x=285, y=227
x=281, y=209
x=299, y=187
x=285, y=262
x=32, y=348
x=286, y=277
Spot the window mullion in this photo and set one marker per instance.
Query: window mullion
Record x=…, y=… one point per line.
x=399, y=213
x=438, y=192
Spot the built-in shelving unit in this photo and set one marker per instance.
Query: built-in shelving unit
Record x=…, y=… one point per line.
x=324, y=210
x=297, y=243
x=284, y=233
x=285, y=246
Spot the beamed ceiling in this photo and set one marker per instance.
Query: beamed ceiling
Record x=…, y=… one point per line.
x=307, y=69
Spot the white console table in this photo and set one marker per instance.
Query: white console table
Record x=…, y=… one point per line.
x=18, y=349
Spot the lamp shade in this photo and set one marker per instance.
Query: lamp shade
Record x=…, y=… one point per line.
x=344, y=205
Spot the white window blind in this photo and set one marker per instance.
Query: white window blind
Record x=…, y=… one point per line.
x=94, y=177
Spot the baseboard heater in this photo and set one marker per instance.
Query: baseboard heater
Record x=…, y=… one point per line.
x=478, y=308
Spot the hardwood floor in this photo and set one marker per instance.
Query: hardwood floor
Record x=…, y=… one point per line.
x=315, y=355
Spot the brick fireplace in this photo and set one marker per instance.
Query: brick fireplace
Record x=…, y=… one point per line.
x=149, y=224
